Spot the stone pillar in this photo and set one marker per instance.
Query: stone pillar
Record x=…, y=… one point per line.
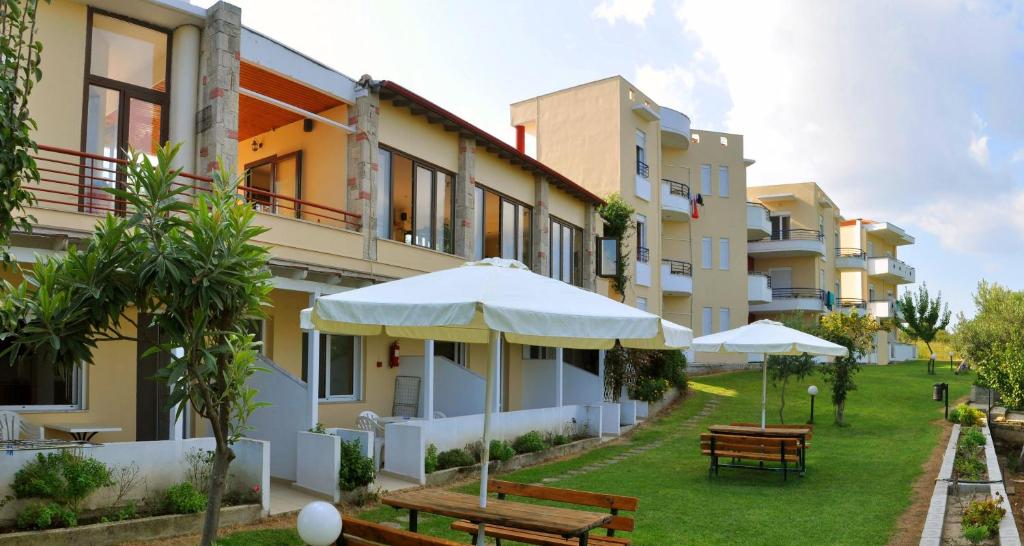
x=541, y=226
x=217, y=116
x=465, y=200
x=590, y=233
x=184, y=94
x=363, y=157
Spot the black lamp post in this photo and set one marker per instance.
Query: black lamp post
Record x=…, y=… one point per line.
x=812, y=390
x=940, y=392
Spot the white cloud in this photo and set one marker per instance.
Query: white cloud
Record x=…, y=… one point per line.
x=977, y=225
x=632, y=11
x=979, y=149
x=1018, y=156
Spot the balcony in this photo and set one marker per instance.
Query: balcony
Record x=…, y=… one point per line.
x=676, y=278
x=883, y=309
x=675, y=201
x=788, y=243
x=759, y=222
x=759, y=287
x=643, y=266
x=891, y=270
x=890, y=233
x=793, y=299
x=675, y=128
x=849, y=305
x=643, y=180
x=851, y=259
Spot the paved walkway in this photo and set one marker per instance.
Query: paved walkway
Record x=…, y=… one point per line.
x=284, y=498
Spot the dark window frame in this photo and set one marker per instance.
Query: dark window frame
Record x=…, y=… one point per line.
x=447, y=246
x=577, y=254
x=273, y=160
x=517, y=230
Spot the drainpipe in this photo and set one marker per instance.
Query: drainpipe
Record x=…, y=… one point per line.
x=521, y=138
x=184, y=94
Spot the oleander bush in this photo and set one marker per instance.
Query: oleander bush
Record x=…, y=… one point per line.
x=356, y=469
x=530, y=442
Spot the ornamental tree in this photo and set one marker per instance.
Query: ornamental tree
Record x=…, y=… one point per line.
x=922, y=317
x=191, y=264
x=856, y=333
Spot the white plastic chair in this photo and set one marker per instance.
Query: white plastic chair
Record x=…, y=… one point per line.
x=440, y=415
x=370, y=421
x=14, y=427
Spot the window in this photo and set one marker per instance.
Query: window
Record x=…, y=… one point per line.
x=705, y=252
x=780, y=227
x=821, y=279
x=534, y=352
x=705, y=321
x=723, y=254
x=723, y=181
x=871, y=292
x=126, y=100
x=383, y=194
x=33, y=385
x=724, y=322
x=456, y=352
x=505, y=227
x=419, y=202
x=641, y=304
x=642, y=251
x=705, y=179
x=641, y=154
x=277, y=175
x=566, y=252
x=341, y=366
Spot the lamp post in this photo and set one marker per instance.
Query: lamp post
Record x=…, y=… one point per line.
x=951, y=360
x=940, y=393
x=813, y=391
x=319, y=524
x=931, y=364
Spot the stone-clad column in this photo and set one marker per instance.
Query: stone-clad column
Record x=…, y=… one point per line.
x=590, y=233
x=541, y=226
x=217, y=117
x=465, y=201
x=363, y=157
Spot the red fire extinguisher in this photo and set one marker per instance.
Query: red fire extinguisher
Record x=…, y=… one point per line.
x=393, y=363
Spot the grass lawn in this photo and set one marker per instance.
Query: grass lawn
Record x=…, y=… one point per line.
x=858, y=481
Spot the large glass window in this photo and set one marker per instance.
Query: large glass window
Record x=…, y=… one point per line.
x=34, y=385
x=566, y=252
x=127, y=52
x=455, y=352
x=341, y=366
x=506, y=229
x=723, y=181
x=417, y=202
x=270, y=178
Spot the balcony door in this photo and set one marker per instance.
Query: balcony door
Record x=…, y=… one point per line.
x=780, y=227
x=781, y=277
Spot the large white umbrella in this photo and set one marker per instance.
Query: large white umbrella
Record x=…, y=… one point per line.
x=480, y=301
x=767, y=337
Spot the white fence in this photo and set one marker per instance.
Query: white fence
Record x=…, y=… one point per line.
x=405, y=442
x=902, y=351
x=457, y=390
x=318, y=458
x=289, y=412
x=161, y=464
x=578, y=386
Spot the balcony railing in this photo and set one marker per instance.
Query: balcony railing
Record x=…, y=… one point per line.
x=764, y=209
x=897, y=265
x=643, y=254
x=677, y=267
x=852, y=303
x=850, y=253
x=642, y=169
x=677, y=188
x=75, y=181
x=760, y=274
x=798, y=293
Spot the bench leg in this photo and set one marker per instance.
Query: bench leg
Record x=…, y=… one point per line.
x=414, y=516
x=583, y=539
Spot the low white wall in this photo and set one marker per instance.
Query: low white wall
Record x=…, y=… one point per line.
x=364, y=437
x=161, y=465
x=903, y=351
x=610, y=419
x=404, y=449
x=457, y=390
x=578, y=386
x=318, y=457
x=288, y=413
x=643, y=409
x=627, y=412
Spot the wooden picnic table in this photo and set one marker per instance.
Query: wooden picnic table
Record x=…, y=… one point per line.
x=564, y=522
x=795, y=431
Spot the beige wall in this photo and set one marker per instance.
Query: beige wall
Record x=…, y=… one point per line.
x=412, y=135
x=56, y=102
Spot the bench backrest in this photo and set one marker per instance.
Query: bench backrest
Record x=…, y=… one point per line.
x=749, y=444
x=613, y=503
x=809, y=427
x=357, y=532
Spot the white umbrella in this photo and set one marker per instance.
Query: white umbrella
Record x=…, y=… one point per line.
x=766, y=337
x=479, y=302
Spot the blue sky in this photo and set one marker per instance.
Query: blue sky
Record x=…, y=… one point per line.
x=910, y=111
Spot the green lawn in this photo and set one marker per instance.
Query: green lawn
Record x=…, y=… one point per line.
x=858, y=481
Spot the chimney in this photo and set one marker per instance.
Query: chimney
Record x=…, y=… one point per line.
x=521, y=138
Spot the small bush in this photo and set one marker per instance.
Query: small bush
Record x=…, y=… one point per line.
x=985, y=514
x=64, y=477
x=454, y=458
x=529, y=443
x=975, y=534
x=501, y=451
x=184, y=499
x=967, y=416
x=649, y=389
x=46, y=516
x=971, y=438
x=319, y=429
x=557, y=439
x=969, y=468
x=430, y=460
x=356, y=469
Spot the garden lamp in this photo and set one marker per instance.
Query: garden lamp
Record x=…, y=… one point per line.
x=951, y=360
x=319, y=524
x=813, y=391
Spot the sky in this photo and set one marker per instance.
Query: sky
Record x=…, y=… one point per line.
x=910, y=112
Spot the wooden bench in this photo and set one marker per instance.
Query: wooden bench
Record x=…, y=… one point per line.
x=807, y=438
x=613, y=503
x=357, y=532
x=785, y=451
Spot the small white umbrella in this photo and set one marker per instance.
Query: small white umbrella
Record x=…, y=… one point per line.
x=479, y=302
x=766, y=337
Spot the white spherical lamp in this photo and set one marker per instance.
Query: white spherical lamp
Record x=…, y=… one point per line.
x=319, y=524
x=812, y=390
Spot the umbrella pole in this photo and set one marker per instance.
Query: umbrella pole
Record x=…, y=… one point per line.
x=492, y=370
x=764, y=389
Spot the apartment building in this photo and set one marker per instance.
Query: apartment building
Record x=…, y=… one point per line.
x=816, y=261
x=359, y=182
x=687, y=265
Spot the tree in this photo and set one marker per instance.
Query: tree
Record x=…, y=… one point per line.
x=856, y=333
x=782, y=368
x=19, y=72
x=618, y=223
x=922, y=317
x=194, y=262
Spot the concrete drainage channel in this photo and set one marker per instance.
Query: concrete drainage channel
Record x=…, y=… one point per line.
x=942, y=526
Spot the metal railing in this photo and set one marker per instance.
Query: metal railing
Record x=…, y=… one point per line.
x=767, y=213
x=677, y=267
x=793, y=235
x=643, y=254
x=850, y=253
x=795, y=293
x=677, y=188
x=75, y=181
x=760, y=274
x=852, y=303
x=642, y=169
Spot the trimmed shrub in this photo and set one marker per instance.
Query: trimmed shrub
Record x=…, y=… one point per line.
x=969, y=468
x=501, y=451
x=356, y=469
x=46, y=516
x=64, y=477
x=971, y=438
x=529, y=443
x=183, y=498
x=967, y=416
x=454, y=458
x=430, y=460
x=975, y=534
